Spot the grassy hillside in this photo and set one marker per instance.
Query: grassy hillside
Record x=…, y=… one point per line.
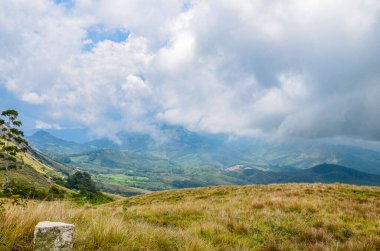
x=272, y=217
x=39, y=177
x=33, y=173
x=46, y=160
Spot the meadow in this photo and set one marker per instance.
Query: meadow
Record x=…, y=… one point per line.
x=255, y=217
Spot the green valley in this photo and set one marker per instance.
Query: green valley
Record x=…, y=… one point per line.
x=188, y=159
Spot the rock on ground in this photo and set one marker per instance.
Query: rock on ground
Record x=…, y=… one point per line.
x=55, y=236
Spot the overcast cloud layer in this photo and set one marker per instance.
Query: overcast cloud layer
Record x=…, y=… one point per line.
x=253, y=67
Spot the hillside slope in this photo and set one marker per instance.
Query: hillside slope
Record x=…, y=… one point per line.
x=262, y=217
x=46, y=160
x=34, y=176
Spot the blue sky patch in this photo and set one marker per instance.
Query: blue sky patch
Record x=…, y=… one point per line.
x=68, y=4
x=99, y=33
x=186, y=5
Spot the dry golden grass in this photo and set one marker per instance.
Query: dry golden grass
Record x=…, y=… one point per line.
x=274, y=217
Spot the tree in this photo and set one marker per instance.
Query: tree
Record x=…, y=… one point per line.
x=83, y=182
x=12, y=141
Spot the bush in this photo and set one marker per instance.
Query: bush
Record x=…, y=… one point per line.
x=88, y=192
x=14, y=188
x=56, y=193
x=186, y=183
x=92, y=198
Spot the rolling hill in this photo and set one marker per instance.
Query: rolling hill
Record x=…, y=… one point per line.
x=329, y=173
x=260, y=217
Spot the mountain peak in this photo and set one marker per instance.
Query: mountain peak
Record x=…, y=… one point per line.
x=41, y=133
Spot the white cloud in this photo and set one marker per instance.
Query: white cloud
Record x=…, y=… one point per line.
x=43, y=125
x=33, y=98
x=263, y=68
x=134, y=84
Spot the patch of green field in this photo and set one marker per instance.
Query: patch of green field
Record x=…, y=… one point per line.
x=131, y=181
x=121, y=178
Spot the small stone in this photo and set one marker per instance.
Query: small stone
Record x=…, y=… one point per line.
x=56, y=236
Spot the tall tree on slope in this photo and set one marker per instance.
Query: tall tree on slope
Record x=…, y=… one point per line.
x=11, y=141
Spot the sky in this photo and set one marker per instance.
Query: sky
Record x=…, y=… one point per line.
x=269, y=69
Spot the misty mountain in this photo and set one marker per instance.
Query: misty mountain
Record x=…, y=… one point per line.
x=48, y=143
x=178, y=158
x=186, y=148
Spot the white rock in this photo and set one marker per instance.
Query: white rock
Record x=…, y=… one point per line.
x=55, y=236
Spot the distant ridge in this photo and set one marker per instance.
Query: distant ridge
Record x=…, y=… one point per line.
x=323, y=173
x=44, y=137
x=330, y=173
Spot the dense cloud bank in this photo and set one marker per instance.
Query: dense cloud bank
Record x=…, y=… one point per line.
x=251, y=67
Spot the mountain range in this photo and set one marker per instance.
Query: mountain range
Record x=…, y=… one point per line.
x=181, y=158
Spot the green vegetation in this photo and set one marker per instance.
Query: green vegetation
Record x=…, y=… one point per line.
x=262, y=217
x=121, y=189
x=18, y=177
x=29, y=174
x=36, y=180
x=88, y=192
x=21, y=174
x=132, y=181
x=12, y=142
x=15, y=189
x=131, y=169
x=82, y=182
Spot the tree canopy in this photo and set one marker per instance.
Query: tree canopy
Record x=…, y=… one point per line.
x=81, y=181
